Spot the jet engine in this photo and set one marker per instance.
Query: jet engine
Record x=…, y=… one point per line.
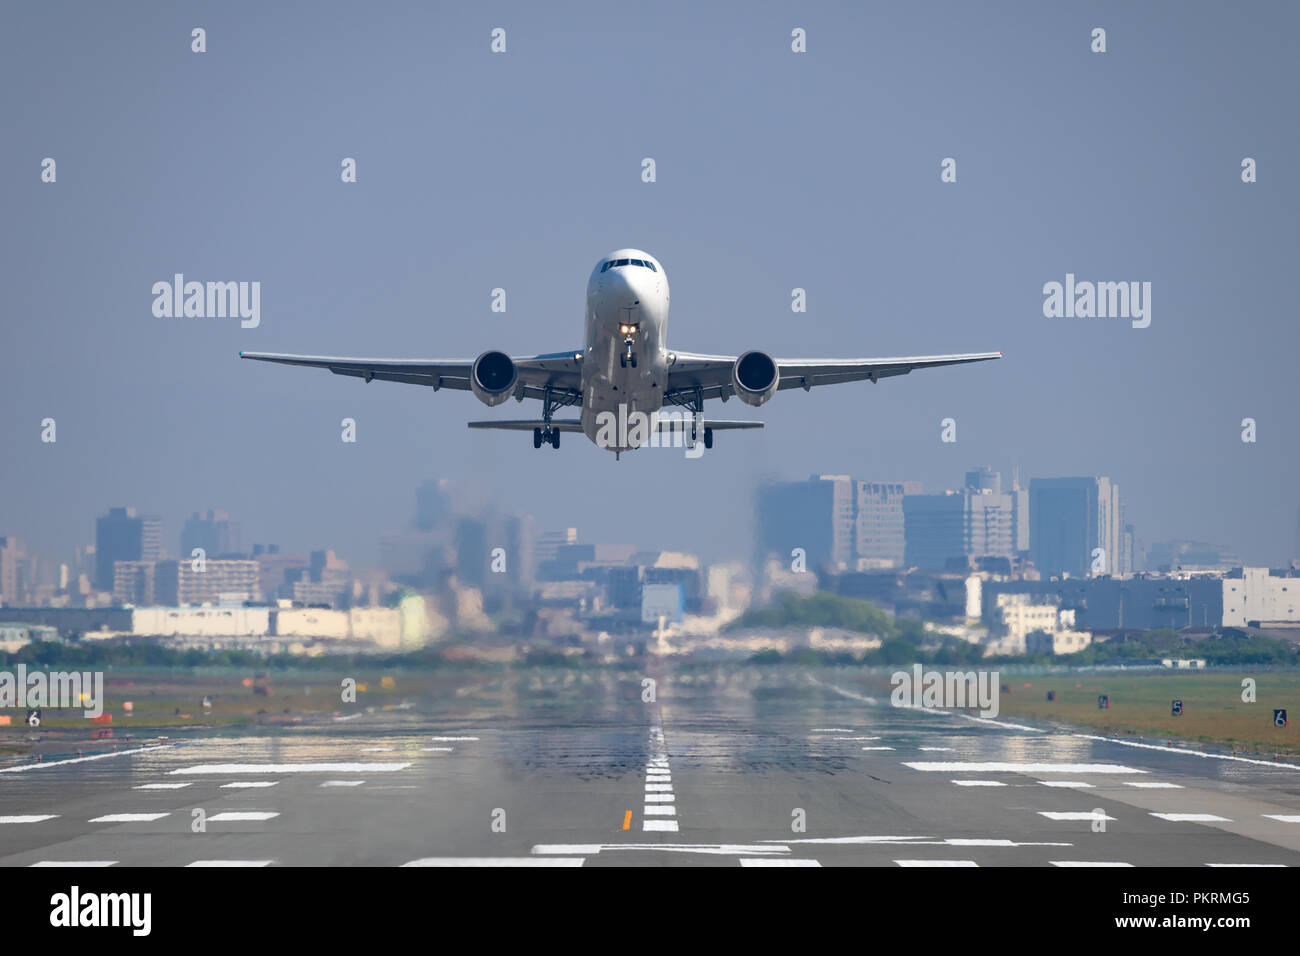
x=492, y=378
x=755, y=377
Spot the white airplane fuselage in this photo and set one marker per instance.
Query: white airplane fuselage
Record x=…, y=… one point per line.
x=625, y=365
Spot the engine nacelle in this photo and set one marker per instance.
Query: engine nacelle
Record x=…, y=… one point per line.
x=492, y=378
x=755, y=377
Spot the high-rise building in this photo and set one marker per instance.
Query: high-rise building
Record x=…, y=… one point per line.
x=122, y=535
x=878, y=539
x=954, y=528
x=1074, y=526
x=134, y=583
x=13, y=570
x=214, y=532
x=179, y=582
x=816, y=515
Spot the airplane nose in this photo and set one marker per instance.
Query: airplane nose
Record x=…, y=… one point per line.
x=622, y=289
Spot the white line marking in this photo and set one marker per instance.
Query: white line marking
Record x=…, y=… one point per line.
x=666, y=826
x=877, y=748
x=129, y=817
x=659, y=788
x=1063, y=783
x=228, y=768
x=660, y=798
x=60, y=763
x=1284, y=817
x=855, y=738
x=1236, y=865
x=497, y=861
x=239, y=816
x=1071, y=815
x=936, y=863
x=1191, y=818
x=771, y=861
x=659, y=810
x=451, y=740
x=832, y=730
x=76, y=863
x=1082, y=863
x=1153, y=785
x=1193, y=753
x=979, y=783
x=935, y=748
x=28, y=818
x=231, y=862
x=1008, y=767
x=713, y=849
x=339, y=783
x=162, y=786
x=377, y=750
x=248, y=784
x=437, y=750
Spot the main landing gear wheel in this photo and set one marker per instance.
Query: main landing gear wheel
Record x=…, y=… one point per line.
x=537, y=438
x=708, y=438
x=555, y=438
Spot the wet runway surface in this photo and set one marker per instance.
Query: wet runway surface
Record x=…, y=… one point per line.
x=741, y=767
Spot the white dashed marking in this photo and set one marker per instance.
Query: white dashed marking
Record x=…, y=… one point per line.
x=248, y=784
x=337, y=783
x=770, y=861
x=1284, y=817
x=162, y=786
x=230, y=863
x=936, y=863
x=1153, y=785
x=1072, y=815
x=76, y=863
x=241, y=816
x=666, y=826
x=233, y=768
x=1191, y=818
x=1083, y=863
x=659, y=798
x=979, y=783
x=129, y=817
x=1064, y=783
x=659, y=810
x=1008, y=767
x=497, y=861
x=28, y=818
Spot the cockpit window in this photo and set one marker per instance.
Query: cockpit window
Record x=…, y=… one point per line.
x=613, y=263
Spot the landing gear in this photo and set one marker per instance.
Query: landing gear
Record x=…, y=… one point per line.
x=708, y=438
x=549, y=434
x=628, y=357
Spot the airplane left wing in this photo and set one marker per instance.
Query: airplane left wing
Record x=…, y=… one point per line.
x=557, y=370
x=709, y=376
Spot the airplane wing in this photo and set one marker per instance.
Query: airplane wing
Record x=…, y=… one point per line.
x=558, y=370
x=709, y=376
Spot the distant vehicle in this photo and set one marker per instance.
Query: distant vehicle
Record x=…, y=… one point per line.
x=625, y=369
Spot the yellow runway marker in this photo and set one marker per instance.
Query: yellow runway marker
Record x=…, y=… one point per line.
x=627, y=820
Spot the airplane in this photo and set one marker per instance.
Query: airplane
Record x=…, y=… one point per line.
x=625, y=369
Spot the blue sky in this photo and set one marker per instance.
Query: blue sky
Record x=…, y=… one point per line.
x=519, y=170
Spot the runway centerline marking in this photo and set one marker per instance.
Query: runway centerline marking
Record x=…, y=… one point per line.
x=936, y=863
x=775, y=861
x=28, y=818
x=504, y=861
x=75, y=863
x=1084, y=863
x=1191, y=817
x=1075, y=815
x=129, y=817
x=230, y=863
x=242, y=816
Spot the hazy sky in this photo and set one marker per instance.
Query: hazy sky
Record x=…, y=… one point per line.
x=520, y=170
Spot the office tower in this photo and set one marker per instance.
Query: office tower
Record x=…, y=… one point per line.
x=122, y=535
x=212, y=531
x=816, y=515
x=1074, y=525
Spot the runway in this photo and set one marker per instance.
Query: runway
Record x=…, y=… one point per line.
x=746, y=766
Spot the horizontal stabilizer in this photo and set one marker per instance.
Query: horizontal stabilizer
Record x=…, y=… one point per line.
x=717, y=425
x=527, y=425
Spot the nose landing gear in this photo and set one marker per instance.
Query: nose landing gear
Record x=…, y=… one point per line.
x=628, y=357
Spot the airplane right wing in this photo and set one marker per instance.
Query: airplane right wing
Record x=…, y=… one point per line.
x=557, y=370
